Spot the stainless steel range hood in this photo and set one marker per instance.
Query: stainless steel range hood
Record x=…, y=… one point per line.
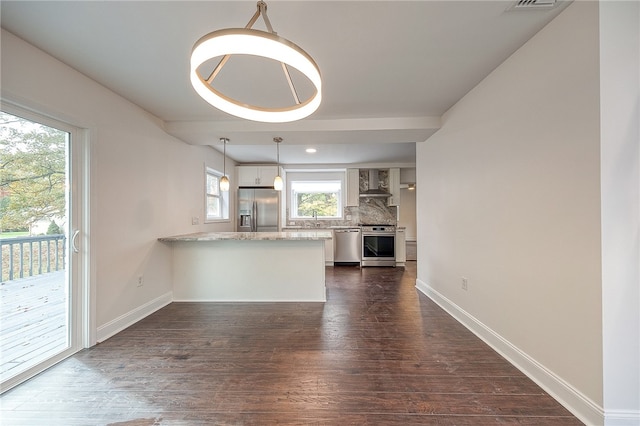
x=374, y=186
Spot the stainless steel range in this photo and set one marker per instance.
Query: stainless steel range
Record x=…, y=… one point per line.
x=378, y=245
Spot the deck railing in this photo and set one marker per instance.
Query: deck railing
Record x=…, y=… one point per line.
x=29, y=256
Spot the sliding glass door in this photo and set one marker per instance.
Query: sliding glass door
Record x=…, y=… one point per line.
x=41, y=294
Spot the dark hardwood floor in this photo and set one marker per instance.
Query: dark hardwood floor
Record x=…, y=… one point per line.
x=377, y=352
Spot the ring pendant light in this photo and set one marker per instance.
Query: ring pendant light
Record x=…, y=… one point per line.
x=248, y=41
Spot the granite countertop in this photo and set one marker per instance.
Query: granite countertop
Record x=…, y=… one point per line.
x=302, y=228
x=250, y=236
x=319, y=228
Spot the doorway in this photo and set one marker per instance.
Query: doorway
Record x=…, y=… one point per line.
x=43, y=315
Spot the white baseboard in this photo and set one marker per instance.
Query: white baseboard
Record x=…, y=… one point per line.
x=573, y=400
x=123, y=321
x=621, y=418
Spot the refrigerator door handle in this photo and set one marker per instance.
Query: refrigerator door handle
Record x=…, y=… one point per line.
x=254, y=217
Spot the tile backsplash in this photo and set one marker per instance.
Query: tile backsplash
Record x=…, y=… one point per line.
x=376, y=211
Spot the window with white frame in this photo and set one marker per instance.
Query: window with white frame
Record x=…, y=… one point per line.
x=216, y=201
x=315, y=197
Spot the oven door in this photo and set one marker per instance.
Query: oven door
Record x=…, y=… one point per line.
x=378, y=249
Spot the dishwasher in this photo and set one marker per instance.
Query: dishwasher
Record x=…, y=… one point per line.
x=347, y=245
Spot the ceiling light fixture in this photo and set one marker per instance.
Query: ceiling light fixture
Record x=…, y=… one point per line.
x=277, y=182
x=224, y=180
x=247, y=41
x=310, y=150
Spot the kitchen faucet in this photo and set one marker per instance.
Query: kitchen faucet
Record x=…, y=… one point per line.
x=315, y=217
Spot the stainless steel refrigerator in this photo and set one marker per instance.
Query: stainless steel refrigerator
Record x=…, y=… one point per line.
x=258, y=210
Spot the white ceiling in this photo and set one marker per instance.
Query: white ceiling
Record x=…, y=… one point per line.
x=390, y=68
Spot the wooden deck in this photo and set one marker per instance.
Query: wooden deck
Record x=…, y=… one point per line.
x=33, y=321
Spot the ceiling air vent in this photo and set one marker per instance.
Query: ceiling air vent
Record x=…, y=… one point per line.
x=533, y=4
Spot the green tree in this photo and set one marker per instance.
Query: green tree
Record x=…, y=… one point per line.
x=325, y=204
x=32, y=172
x=53, y=229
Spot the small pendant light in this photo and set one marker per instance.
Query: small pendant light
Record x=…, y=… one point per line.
x=277, y=182
x=224, y=180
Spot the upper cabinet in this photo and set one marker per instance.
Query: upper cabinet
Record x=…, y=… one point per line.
x=394, y=187
x=353, y=187
x=256, y=175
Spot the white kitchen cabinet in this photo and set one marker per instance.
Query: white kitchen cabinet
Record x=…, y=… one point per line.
x=353, y=188
x=401, y=247
x=256, y=175
x=328, y=252
x=394, y=187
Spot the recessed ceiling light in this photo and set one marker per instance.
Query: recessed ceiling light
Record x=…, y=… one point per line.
x=310, y=150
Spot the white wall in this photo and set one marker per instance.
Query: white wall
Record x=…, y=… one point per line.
x=509, y=197
x=620, y=165
x=145, y=183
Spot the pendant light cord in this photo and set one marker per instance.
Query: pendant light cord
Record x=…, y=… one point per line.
x=277, y=181
x=224, y=155
x=277, y=140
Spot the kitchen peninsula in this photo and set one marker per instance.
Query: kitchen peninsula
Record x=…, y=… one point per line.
x=249, y=266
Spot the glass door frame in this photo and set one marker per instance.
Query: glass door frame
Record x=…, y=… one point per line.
x=81, y=303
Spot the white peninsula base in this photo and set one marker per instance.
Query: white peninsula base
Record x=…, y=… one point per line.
x=250, y=268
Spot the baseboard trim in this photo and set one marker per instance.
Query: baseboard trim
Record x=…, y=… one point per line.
x=621, y=418
x=123, y=321
x=573, y=400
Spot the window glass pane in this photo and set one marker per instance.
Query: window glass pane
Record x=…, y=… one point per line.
x=213, y=207
x=216, y=201
x=213, y=186
x=325, y=204
x=37, y=314
x=322, y=197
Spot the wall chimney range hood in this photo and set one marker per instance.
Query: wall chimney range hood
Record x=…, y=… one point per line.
x=374, y=190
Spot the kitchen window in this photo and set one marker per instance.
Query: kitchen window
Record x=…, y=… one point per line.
x=319, y=199
x=216, y=201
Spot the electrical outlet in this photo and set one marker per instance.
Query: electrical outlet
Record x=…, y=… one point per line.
x=140, y=280
x=195, y=220
x=465, y=284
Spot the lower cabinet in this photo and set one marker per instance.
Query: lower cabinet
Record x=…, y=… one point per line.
x=328, y=252
x=401, y=247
